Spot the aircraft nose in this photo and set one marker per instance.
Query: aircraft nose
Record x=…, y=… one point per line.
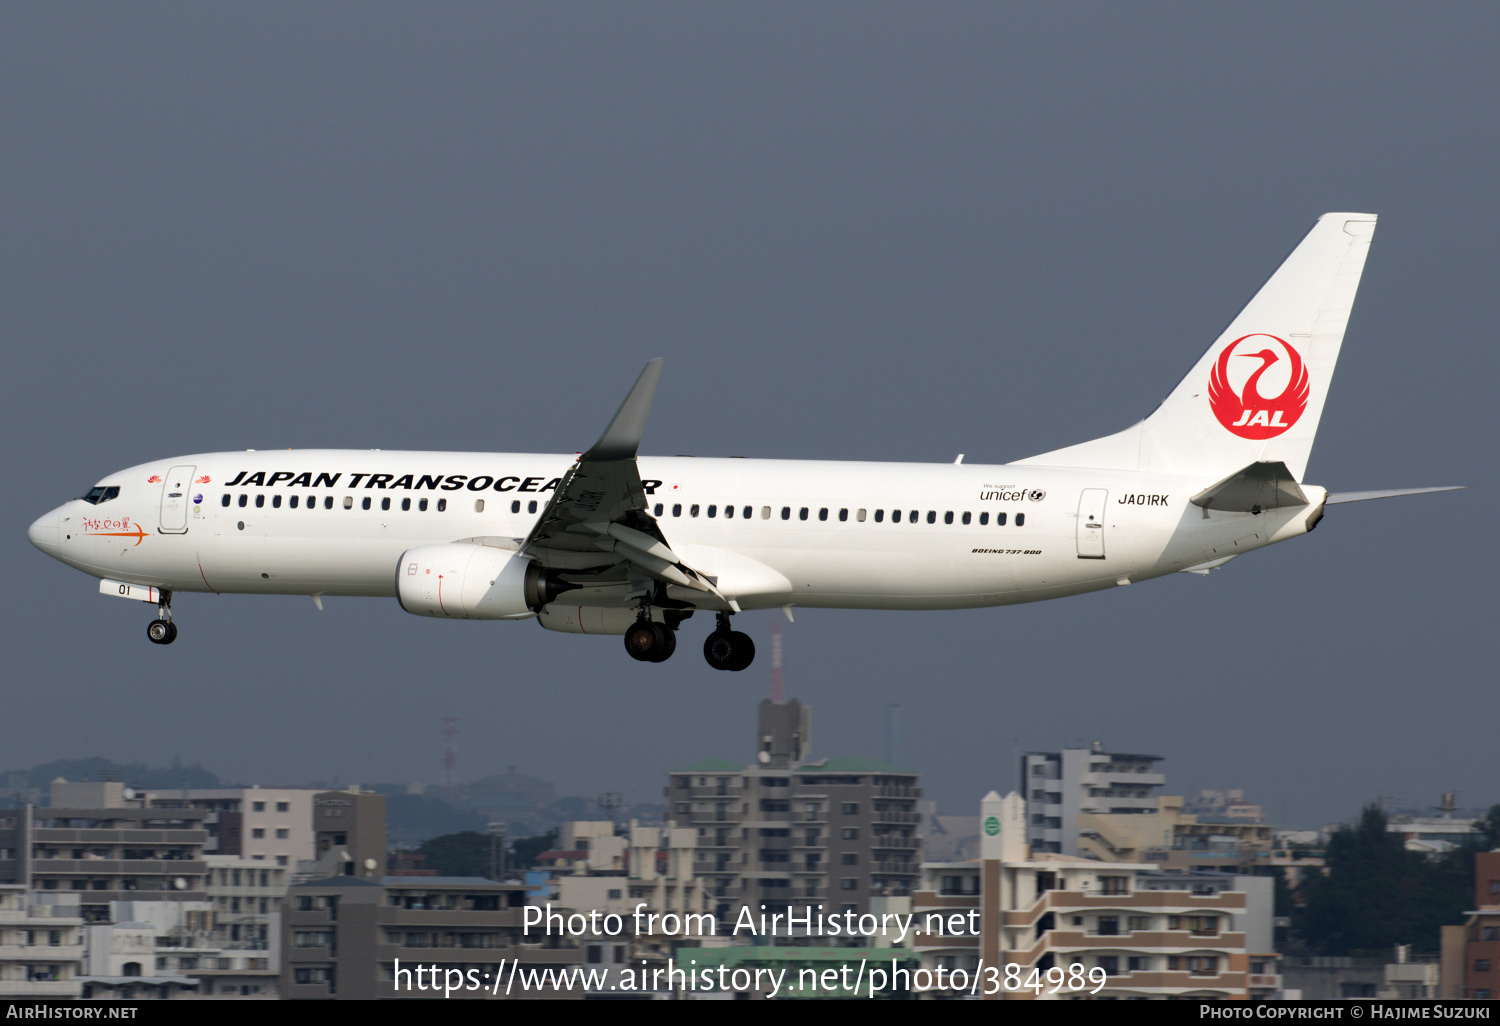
x=43, y=532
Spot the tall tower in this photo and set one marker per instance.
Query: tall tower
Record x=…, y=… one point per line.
x=778, y=689
x=450, y=753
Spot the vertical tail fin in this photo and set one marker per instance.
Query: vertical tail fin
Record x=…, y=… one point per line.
x=1258, y=393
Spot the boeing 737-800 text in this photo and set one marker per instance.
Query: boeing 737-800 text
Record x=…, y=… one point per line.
x=607, y=542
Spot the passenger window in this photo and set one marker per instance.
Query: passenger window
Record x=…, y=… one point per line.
x=658, y=509
x=895, y=516
x=999, y=519
x=879, y=515
x=385, y=503
x=984, y=518
x=802, y=515
x=515, y=507
x=531, y=506
x=931, y=516
x=786, y=512
x=442, y=506
x=677, y=509
x=275, y=502
x=225, y=500
x=746, y=512
x=292, y=502
x=348, y=502
x=728, y=512
x=765, y=512
x=422, y=505
x=312, y=501
x=912, y=517
x=478, y=505
x=365, y=502
x=859, y=515
x=693, y=510
x=713, y=511
x=244, y=499
x=1020, y=519
x=966, y=516
x=328, y=502
x=823, y=513
x=948, y=517
x=843, y=515
x=405, y=504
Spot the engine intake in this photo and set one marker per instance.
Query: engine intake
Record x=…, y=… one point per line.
x=463, y=581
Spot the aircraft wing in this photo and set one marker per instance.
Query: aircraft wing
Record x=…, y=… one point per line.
x=598, y=529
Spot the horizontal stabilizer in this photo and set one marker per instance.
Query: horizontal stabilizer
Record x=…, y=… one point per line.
x=1336, y=497
x=1260, y=486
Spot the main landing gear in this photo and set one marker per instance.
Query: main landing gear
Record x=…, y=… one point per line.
x=650, y=642
x=653, y=642
x=726, y=649
x=162, y=630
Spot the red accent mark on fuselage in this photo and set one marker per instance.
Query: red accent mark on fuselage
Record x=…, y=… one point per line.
x=138, y=534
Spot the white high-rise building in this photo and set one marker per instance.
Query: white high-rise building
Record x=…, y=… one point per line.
x=1058, y=786
x=263, y=824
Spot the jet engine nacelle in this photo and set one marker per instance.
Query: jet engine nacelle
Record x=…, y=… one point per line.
x=464, y=581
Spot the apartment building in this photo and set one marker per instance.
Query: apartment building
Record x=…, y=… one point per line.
x=342, y=936
x=1058, y=786
x=110, y=849
x=787, y=831
x=349, y=836
x=41, y=947
x=1153, y=935
x=1471, y=951
x=1175, y=840
x=245, y=897
x=646, y=868
x=271, y=824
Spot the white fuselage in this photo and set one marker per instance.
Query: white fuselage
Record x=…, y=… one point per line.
x=233, y=527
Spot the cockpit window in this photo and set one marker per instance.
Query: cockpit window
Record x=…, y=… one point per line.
x=102, y=494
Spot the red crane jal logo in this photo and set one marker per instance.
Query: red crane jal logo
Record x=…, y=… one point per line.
x=1248, y=411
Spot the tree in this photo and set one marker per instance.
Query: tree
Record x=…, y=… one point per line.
x=526, y=849
x=462, y=854
x=1488, y=829
x=1374, y=894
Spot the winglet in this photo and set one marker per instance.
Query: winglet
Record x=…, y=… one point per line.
x=623, y=436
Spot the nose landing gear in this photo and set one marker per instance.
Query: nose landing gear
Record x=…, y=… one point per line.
x=162, y=631
x=726, y=649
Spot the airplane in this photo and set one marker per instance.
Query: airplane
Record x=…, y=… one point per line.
x=609, y=542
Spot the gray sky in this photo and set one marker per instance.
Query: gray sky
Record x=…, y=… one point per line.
x=855, y=232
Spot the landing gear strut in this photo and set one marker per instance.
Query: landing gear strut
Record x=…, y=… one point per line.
x=162, y=630
x=726, y=649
